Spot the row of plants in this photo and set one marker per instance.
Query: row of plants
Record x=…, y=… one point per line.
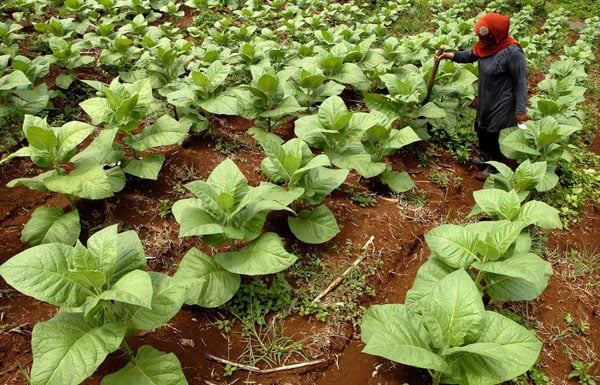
x=103, y=288
x=444, y=326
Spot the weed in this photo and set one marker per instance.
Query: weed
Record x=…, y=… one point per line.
x=534, y=376
x=580, y=371
x=440, y=178
x=225, y=147
x=585, y=262
x=579, y=185
x=269, y=344
x=576, y=327
x=362, y=198
x=414, y=198
x=164, y=208
x=256, y=300
x=312, y=277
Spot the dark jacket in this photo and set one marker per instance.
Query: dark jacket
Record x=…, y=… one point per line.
x=502, y=88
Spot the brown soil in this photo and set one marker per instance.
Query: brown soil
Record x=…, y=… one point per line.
x=398, y=242
x=397, y=229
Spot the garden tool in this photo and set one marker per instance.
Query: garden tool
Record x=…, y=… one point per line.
x=436, y=64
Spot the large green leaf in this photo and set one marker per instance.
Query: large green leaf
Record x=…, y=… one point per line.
x=51, y=224
x=66, y=350
x=88, y=181
x=97, y=108
x=541, y=214
x=13, y=80
x=42, y=272
x=220, y=104
x=361, y=162
x=165, y=131
x=265, y=255
x=499, y=239
x=130, y=254
x=397, y=181
x=104, y=248
x=134, y=288
x=194, y=218
x=35, y=183
x=70, y=135
x=151, y=367
x=428, y=275
x=314, y=226
x=332, y=111
x=453, y=244
x=392, y=332
x=453, y=313
x=209, y=285
x=147, y=167
x=518, y=278
x=227, y=177
x=102, y=150
x=167, y=297
x=504, y=350
x=320, y=182
x=497, y=203
x=41, y=139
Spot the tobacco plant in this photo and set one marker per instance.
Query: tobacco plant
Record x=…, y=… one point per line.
x=543, y=140
x=55, y=147
x=294, y=164
x=226, y=210
x=265, y=99
x=105, y=294
x=202, y=94
x=449, y=333
x=121, y=108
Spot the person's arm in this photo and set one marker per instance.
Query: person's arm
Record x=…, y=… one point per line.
x=458, y=56
x=518, y=70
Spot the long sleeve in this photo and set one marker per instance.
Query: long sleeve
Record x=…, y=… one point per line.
x=518, y=70
x=465, y=56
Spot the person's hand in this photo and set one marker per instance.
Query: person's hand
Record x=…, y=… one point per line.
x=443, y=55
x=521, y=117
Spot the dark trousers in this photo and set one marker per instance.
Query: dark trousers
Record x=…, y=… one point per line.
x=489, y=144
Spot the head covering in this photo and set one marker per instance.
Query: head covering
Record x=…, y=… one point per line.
x=497, y=26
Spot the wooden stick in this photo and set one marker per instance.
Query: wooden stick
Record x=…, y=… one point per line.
x=436, y=64
x=237, y=365
x=257, y=370
x=339, y=279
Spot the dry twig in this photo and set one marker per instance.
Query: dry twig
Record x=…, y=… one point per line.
x=254, y=369
x=339, y=279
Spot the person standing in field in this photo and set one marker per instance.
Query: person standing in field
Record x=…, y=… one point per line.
x=502, y=88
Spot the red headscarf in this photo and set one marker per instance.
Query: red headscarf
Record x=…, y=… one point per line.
x=497, y=26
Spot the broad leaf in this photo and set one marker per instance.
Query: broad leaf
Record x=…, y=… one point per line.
x=134, y=288
x=209, y=285
x=165, y=131
x=392, y=332
x=42, y=272
x=504, y=350
x=151, y=367
x=51, y=224
x=147, y=167
x=87, y=181
x=265, y=255
x=453, y=244
x=66, y=350
x=541, y=214
x=518, y=278
x=167, y=297
x=314, y=226
x=453, y=313
x=428, y=275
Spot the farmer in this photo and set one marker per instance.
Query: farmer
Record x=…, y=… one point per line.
x=502, y=88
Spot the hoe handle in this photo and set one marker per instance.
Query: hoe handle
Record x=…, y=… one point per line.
x=436, y=64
